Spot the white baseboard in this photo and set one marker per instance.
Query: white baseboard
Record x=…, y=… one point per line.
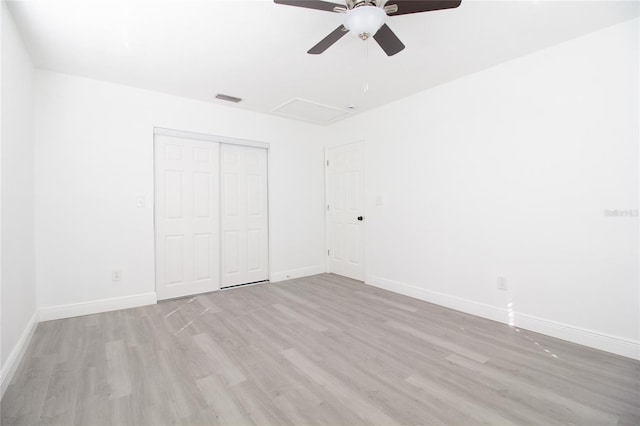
x=582, y=336
x=97, y=306
x=297, y=273
x=617, y=345
x=459, y=304
x=13, y=360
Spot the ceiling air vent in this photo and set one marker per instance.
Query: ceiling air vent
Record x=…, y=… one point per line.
x=228, y=98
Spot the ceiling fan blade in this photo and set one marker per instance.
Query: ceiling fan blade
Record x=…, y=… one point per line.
x=311, y=4
x=388, y=40
x=328, y=41
x=415, y=6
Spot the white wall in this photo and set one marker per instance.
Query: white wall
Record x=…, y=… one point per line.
x=505, y=172
x=18, y=277
x=508, y=172
x=94, y=155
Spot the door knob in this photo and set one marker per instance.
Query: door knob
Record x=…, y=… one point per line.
x=360, y=218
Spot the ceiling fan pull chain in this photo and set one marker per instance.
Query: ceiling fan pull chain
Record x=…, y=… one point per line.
x=365, y=86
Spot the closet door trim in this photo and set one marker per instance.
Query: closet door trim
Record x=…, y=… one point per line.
x=210, y=138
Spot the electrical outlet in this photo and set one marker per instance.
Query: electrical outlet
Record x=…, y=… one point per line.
x=116, y=275
x=502, y=284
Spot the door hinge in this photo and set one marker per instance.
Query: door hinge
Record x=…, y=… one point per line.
x=328, y=207
x=327, y=163
x=328, y=252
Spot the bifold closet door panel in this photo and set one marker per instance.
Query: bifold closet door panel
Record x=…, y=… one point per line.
x=244, y=210
x=187, y=218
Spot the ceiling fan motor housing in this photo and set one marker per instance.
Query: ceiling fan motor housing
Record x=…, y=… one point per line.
x=364, y=20
x=352, y=4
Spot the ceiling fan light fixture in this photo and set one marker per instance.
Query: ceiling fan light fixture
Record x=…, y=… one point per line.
x=365, y=21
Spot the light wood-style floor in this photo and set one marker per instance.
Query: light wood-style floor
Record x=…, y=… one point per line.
x=317, y=350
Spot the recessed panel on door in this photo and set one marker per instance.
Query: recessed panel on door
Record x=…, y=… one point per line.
x=174, y=253
x=202, y=190
x=173, y=199
x=231, y=244
x=254, y=252
x=202, y=252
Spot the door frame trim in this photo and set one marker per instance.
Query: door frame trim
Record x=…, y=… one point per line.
x=364, y=205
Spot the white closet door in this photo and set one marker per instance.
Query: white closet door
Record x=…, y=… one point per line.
x=245, y=245
x=186, y=216
x=345, y=211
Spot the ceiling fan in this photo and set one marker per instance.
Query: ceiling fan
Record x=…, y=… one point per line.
x=366, y=18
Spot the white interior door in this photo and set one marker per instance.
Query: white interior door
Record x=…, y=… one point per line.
x=345, y=189
x=186, y=216
x=245, y=245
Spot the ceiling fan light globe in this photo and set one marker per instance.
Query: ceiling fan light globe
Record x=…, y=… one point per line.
x=364, y=21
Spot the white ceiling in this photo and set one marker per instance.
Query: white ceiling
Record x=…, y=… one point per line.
x=256, y=50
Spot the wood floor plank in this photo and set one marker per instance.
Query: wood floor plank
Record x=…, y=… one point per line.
x=363, y=408
x=24, y=398
x=118, y=371
x=387, y=302
x=320, y=350
x=544, y=398
x=437, y=341
x=219, y=396
x=300, y=318
x=225, y=366
x=473, y=411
